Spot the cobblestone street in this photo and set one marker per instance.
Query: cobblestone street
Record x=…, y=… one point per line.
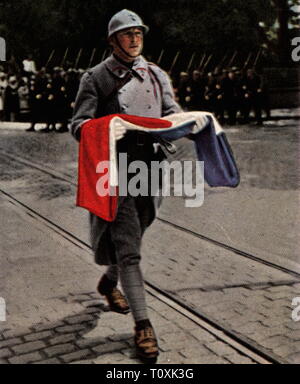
x=234, y=260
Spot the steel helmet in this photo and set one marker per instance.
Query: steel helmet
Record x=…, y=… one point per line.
x=125, y=19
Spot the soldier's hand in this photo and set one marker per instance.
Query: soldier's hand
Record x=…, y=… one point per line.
x=50, y=97
x=187, y=99
x=119, y=131
x=38, y=97
x=220, y=97
x=72, y=104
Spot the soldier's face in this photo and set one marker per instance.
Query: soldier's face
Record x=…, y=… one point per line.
x=131, y=41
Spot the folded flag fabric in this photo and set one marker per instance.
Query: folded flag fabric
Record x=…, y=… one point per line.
x=98, y=155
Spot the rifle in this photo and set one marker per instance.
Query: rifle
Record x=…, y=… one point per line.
x=191, y=62
x=50, y=58
x=207, y=62
x=174, y=61
x=160, y=56
x=232, y=59
x=257, y=57
x=92, y=57
x=64, y=57
x=202, y=61
x=247, y=60
x=223, y=60
x=78, y=58
x=104, y=54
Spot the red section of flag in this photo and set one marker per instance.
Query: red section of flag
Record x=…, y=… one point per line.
x=94, y=149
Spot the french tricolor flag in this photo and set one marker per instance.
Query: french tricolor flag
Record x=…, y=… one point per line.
x=98, y=144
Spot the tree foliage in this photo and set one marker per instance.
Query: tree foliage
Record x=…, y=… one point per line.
x=216, y=27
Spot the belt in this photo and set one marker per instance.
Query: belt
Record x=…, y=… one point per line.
x=141, y=140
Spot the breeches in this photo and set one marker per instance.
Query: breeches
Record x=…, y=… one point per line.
x=122, y=237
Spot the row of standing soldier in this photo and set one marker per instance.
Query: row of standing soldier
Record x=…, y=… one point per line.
x=53, y=97
x=40, y=97
x=50, y=96
x=231, y=92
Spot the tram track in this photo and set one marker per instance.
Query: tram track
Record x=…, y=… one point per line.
x=70, y=179
x=237, y=341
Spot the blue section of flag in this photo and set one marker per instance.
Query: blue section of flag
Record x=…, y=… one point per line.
x=220, y=169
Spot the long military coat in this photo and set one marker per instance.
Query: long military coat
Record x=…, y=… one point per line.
x=111, y=87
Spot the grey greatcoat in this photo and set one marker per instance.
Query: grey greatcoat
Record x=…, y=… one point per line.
x=111, y=87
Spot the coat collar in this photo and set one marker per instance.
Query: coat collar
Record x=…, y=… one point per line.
x=139, y=69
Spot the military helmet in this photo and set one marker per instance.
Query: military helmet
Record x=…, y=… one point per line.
x=125, y=19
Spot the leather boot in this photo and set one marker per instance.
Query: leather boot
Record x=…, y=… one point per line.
x=116, y=300
x=146, y=344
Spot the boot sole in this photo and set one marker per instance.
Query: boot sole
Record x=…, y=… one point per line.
x=122, y=312
x=147, y=359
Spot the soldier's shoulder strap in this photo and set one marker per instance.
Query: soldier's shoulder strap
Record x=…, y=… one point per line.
x=156, y=71
x=109, y=92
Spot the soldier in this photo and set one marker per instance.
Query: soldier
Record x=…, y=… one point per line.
x=59, y=100
x=56, y=103
x=126, y=83
x=184, y=90
x=244, y=98
x=229, y=86
x=37, y=98
x=251, y=93
x=254, y=86
x=72, y=86
x=214, y=96
x=50, y=107
x=197, y=86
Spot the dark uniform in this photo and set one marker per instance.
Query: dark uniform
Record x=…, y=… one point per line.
x=229, y=87
x=251, y=95
x=184, y=90
x=38, y=98
x=72, y=86
x=197, y=86
x=59, y=103
x=214, y=97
